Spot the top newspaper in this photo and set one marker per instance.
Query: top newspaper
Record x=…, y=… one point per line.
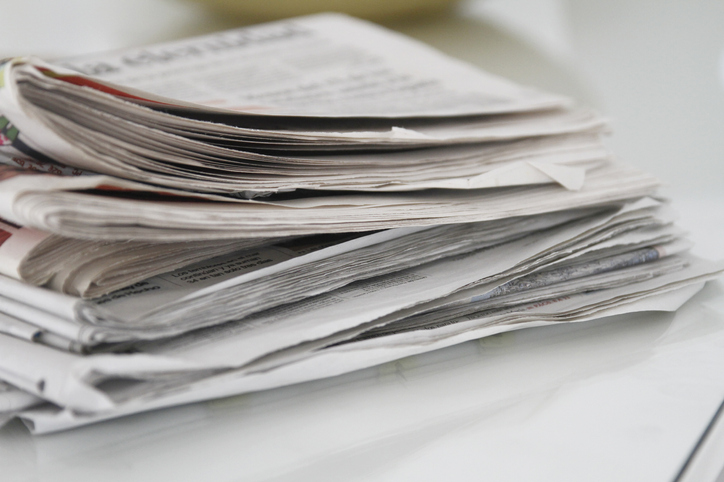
x=322, y=102
x=324, y=65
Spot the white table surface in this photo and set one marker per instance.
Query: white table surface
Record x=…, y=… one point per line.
x=625, y=398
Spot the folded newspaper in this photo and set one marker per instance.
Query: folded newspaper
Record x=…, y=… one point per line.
x=296, y=200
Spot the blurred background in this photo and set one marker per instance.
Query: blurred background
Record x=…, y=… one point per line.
x=654, y=67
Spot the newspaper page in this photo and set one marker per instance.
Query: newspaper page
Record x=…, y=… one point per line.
x=325, y=65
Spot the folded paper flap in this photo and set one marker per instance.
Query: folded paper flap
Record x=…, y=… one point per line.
x=570, y=177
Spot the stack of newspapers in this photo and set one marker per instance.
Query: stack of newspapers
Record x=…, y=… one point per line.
x=297, y=200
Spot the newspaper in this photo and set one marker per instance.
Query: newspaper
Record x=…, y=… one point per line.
x=160, y=308
x=166, y=380
x=80, y=210
x=236, y=285
x=260, y=133
x=170, y=160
